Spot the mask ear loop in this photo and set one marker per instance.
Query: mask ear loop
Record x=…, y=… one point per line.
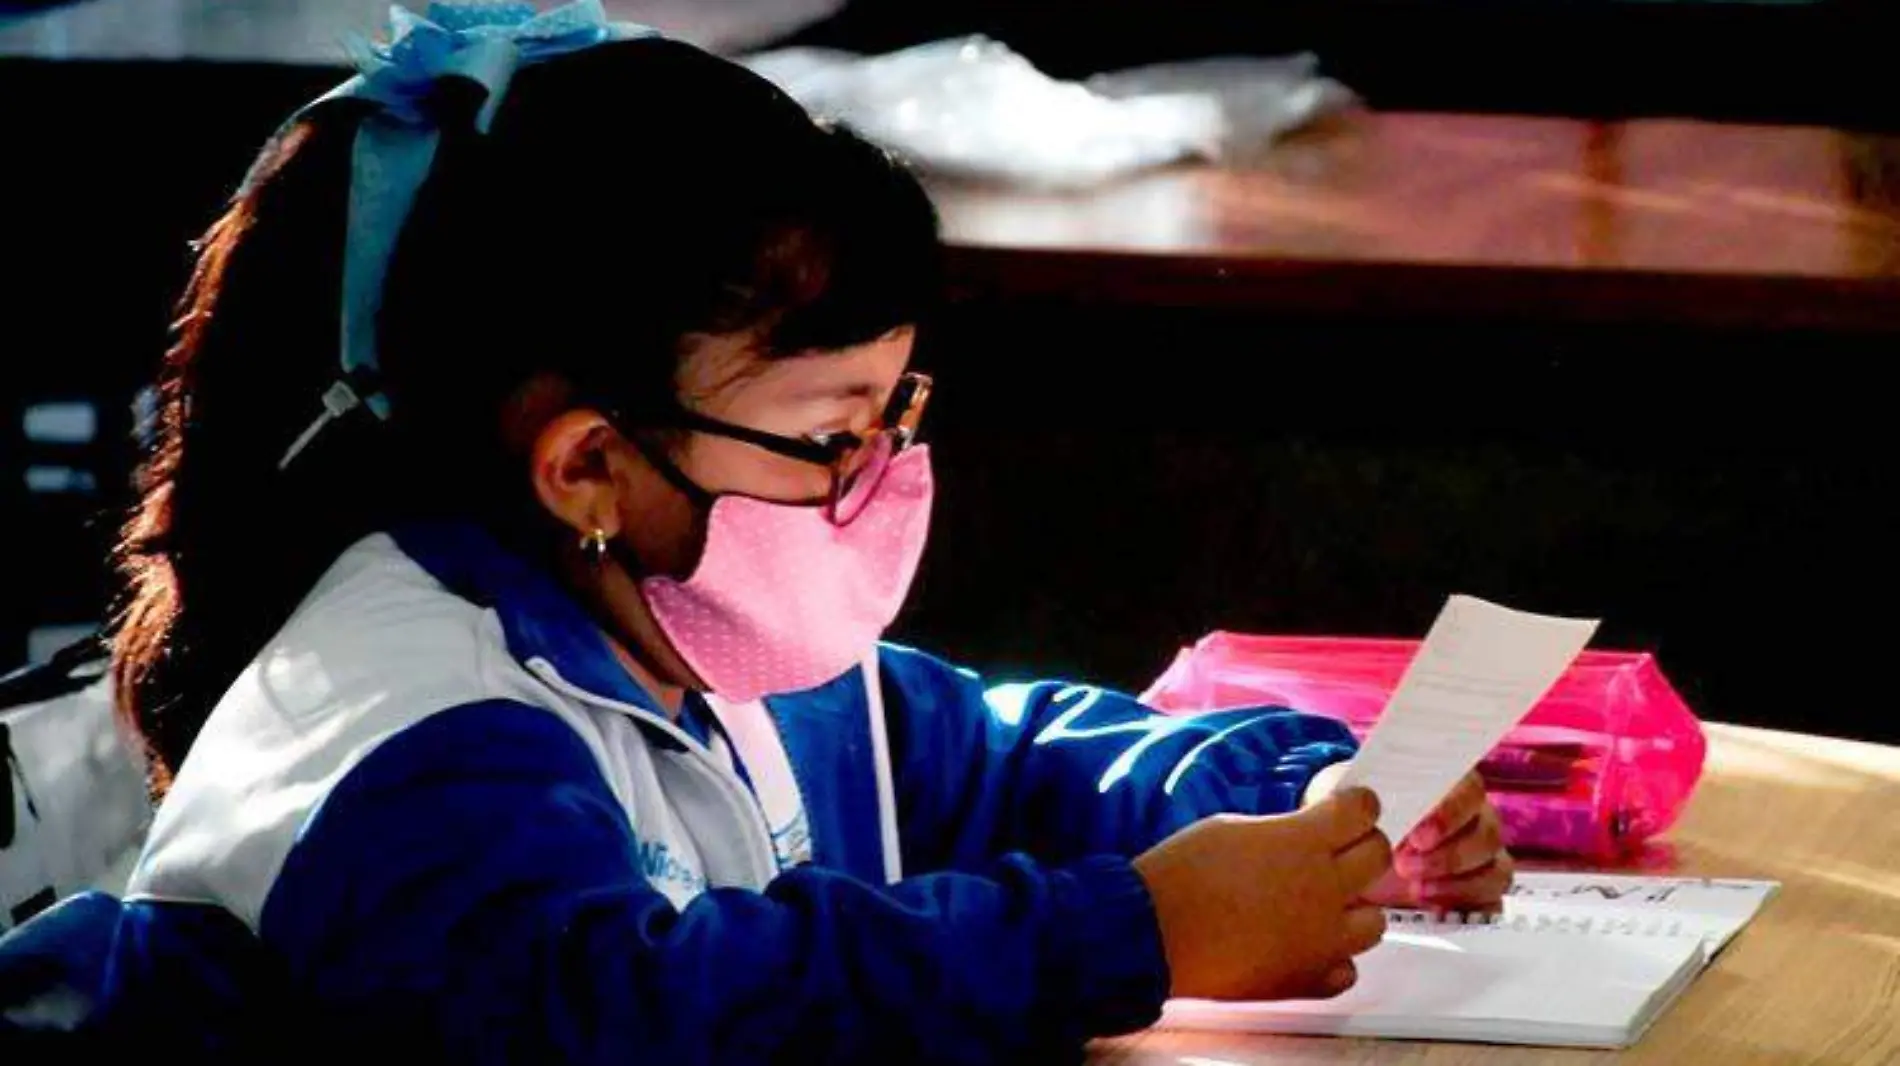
x=699, y=498
x=656, y=457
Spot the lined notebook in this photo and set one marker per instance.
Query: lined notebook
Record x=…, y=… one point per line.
x=1576, y=960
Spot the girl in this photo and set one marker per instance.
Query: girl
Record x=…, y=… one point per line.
x=537, y=469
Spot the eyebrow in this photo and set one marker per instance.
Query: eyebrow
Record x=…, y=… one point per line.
x=863, y=390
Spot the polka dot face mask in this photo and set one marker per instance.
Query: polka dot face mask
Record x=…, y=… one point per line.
x=784, y=598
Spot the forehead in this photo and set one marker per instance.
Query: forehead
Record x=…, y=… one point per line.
x=721, y=371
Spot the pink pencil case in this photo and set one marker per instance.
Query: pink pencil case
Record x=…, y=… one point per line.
x=1605, y=761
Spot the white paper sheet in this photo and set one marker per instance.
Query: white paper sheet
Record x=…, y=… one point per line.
x=1478, y=673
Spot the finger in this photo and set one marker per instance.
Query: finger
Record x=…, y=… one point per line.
x=1339, y=979
x=1390, y=890
x=1479, y=892
x=1479, y=889
x=1365, y=927
x=1476, y=845
x=1439, y=859
x=1354, y=812
x=1456, y=811
x=1363, y=863
x=1322, y=784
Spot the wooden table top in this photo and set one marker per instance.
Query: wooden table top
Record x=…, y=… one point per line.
x=1814, y=979
x=1647, y=219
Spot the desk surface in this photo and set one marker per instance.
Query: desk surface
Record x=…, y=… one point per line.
x=1814, y=979
x=1675, y=220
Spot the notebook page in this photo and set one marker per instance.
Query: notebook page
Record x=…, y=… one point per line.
x=1476, y=675
x=1481, y=984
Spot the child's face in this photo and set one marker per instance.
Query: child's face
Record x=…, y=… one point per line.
x=591, y=477
x=842, y=391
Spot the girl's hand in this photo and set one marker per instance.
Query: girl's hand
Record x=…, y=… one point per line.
x=1269, y=908
x=1454, y=861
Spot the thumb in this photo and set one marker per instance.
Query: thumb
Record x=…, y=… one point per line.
x=1350, y=815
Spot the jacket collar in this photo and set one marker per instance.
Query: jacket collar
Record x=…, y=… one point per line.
x=539, y=619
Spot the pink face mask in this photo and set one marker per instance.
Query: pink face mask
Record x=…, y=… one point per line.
x=783, y=600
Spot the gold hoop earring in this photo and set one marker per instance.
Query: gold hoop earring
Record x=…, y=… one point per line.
x=594, y=546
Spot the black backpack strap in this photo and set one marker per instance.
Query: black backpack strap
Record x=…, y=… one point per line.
x=68, y=671
x=7, y=826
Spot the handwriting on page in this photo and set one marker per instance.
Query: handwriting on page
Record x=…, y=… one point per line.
x=1477, y=674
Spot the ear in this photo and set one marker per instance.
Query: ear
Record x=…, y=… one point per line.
x=569, y=467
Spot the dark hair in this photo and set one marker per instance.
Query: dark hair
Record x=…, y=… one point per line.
x=627, y=198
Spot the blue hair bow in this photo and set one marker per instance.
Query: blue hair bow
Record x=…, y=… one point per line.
x=482, y=43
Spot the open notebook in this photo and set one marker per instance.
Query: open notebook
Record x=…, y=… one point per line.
x=1585, y=960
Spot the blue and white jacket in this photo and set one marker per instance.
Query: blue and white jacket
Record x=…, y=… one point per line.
x=447, y=815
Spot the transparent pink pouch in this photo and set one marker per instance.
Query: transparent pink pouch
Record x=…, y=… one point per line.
x=1604, y=762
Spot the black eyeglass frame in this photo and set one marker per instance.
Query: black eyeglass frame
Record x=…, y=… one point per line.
x=849, y=456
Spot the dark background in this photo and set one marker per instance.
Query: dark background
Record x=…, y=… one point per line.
x=1118, y=479
x=1826, y=62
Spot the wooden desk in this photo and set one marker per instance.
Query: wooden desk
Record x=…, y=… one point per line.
x=1650, y=220
x=1814, y=979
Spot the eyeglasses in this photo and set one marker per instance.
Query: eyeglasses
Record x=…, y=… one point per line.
x=857, y=463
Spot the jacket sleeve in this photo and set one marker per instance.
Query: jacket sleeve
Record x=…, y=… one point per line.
x=1062, y=771
x=473, y=885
